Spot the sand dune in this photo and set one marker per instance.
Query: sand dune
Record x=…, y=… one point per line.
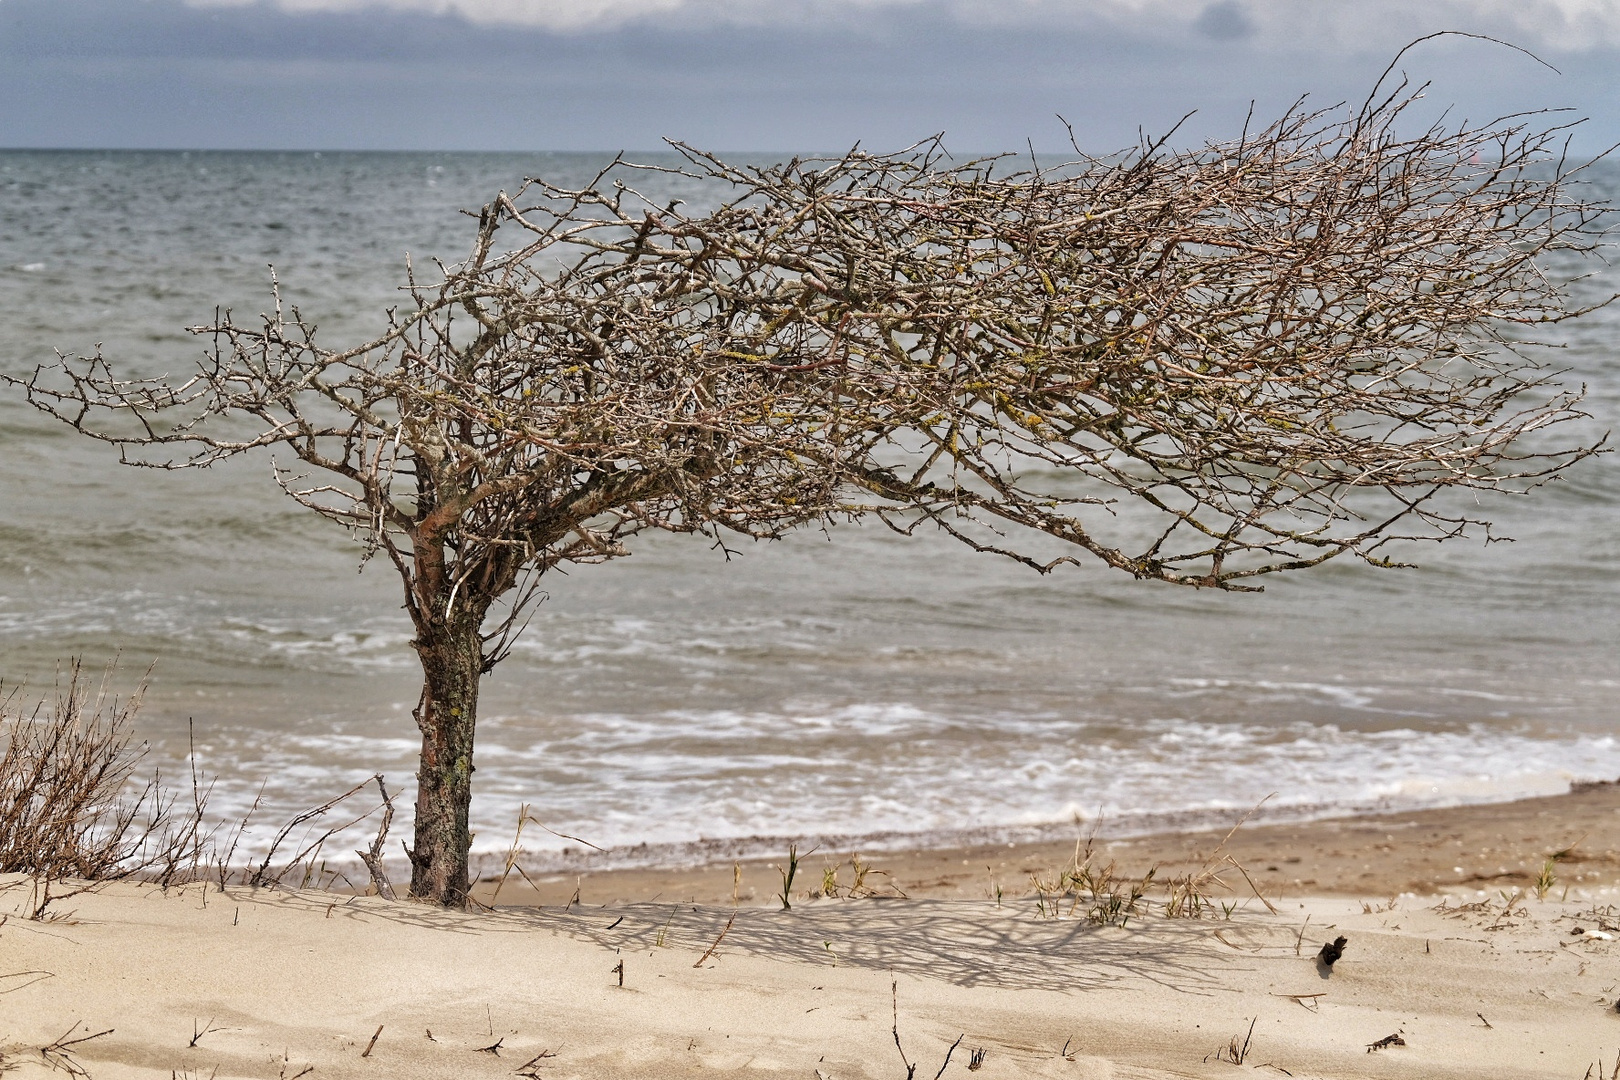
x=1447, y=948
x=203, y=983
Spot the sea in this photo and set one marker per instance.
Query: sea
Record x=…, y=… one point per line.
x=851, y=687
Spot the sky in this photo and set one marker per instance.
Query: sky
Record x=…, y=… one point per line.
x=761, y=75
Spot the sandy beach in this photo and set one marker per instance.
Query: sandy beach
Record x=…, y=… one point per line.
x=1464, y=967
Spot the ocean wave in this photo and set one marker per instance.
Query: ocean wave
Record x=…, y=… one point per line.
x=892, y=774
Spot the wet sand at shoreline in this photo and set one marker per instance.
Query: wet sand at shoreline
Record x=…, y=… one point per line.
x=1465, y=851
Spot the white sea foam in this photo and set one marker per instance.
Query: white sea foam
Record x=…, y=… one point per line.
x=886, y=775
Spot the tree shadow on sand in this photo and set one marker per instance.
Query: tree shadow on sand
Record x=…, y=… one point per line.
x=969, y=943
x=964, y=942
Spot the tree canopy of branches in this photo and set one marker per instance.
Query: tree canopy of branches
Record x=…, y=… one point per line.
x=1196, y=366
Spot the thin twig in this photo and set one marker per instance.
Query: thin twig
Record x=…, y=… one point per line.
x=717, y=941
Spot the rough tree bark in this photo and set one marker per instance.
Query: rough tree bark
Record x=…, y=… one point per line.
x=448, y=603
x=447, y=715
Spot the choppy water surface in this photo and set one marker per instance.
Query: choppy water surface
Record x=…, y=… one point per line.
x=858, y=684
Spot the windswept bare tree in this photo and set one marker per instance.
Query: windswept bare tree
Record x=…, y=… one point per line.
x=1197, y=366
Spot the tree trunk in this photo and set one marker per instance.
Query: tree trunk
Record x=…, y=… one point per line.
x=452, y=662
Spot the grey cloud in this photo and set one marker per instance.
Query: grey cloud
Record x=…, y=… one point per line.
x=160, y=73
x=1376, y=24
x=1224, y=21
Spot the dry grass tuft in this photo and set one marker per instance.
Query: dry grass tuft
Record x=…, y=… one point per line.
x=1545, y=879
x=832, y=888
x=1189, y=894
x=1235, y=1052
x=1091, y=890
x=1087, y=888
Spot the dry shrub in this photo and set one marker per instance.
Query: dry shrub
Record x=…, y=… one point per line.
x=77, y=809
x=71, y=805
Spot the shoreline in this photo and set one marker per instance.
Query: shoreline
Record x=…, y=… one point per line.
x=1468, y=850
x=578, y=855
